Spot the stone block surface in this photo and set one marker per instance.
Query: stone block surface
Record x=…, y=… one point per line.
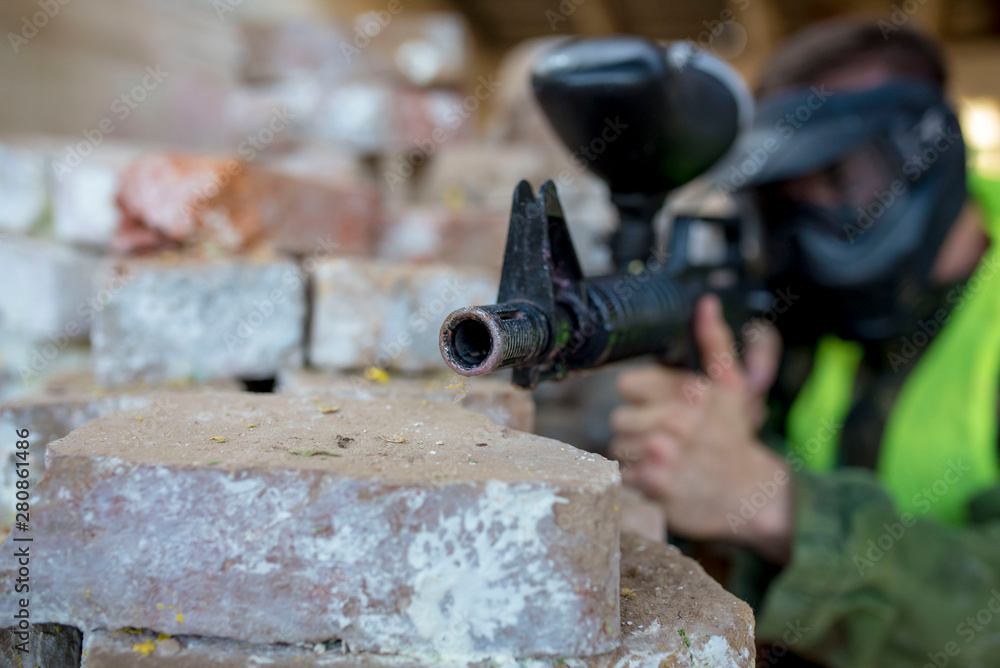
x=674, y=614
x=196, y=319
x=663, y=594
x=497, y=399
x=47, y=289
x=68, y=402
x=389, y=526
x=48, y=645
x=387, y=314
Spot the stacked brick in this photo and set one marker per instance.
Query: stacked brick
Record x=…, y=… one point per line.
x=326, y=530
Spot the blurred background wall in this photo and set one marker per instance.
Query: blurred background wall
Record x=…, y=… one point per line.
x=423, y=102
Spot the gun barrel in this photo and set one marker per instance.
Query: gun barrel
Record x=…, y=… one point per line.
x=481, y=339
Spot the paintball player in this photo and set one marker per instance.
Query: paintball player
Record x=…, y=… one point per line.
x=869, y=522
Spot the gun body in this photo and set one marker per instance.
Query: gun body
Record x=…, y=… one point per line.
x=550, y=320
x=680, y=110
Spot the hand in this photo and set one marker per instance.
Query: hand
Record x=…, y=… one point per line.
x=688, y=440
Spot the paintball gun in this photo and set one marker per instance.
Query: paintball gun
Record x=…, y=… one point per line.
x=680, y=109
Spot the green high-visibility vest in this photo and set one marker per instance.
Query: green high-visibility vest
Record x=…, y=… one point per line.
x=939, y=446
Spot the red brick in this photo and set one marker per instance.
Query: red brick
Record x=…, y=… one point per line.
x=171, y=200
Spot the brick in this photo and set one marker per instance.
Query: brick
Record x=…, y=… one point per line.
x=375, y=116
x=68, y=402
x=643, y=516
x=497, y=399
x=250, y=108
x=426, y=49
x=483, y=175
x=474, y=177
x=46, y=420
x=192, y=319
x=434, y=543
x=83, y=208
x=381, y=313
x=678, y=596
x=24, y=188
x=671, y=594
x=170, y=200
x=289, y=50
x=439, y=233
x=47, y=289
x=49, y=645
x=359, y=114
x=28, y=362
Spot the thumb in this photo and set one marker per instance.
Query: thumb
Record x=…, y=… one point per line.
x=762, y=356
x=715, y=343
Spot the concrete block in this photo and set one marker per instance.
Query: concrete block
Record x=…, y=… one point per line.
x=663, y=594
x=196, y=319
x=47, y=289
x=497, y=399
x=386, y=314
x=388, y=526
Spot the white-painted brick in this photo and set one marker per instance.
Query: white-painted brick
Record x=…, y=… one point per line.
x=386, y=314
x=197, y=320
x=433, y=529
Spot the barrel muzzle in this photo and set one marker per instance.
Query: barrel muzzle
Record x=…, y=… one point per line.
x=481, y=339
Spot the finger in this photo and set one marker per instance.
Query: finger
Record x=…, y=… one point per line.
x=656, y=473
x=661, y=450
x=762, y=356
x=670, y=418
x=628, y=451
x=653, y=383
x=715, y=343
